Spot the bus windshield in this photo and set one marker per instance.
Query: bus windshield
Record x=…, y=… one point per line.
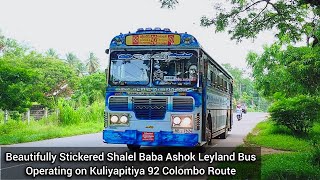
x=169, y=68
x=129, y=69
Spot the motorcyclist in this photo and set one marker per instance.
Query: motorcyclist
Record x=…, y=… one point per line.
x=244, y=108
x=239, y=110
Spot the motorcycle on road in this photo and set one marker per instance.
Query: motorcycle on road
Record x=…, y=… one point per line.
x=239, y=113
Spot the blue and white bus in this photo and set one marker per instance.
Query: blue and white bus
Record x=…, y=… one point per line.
x=163, y=89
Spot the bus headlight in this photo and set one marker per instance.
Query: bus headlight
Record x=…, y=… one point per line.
x=176, y=120
x=114, y=119
x=124, y=119
x=182, y=121
x=186, y=122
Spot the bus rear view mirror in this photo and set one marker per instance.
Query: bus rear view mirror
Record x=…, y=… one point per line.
x=107, y=51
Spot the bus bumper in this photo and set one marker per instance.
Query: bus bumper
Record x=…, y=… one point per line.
x=162, y=138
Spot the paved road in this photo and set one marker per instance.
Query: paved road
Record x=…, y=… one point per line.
x=239, y=131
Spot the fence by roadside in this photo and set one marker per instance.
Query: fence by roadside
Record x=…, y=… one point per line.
x=34, y=114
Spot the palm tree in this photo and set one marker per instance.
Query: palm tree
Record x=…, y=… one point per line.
x=80, y=68
x=71, y=59
x=92, y=63
x=51, y=53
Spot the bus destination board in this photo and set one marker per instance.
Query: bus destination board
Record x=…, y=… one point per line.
x=153, y=39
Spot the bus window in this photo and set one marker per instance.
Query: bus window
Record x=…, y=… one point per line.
x=210, y=78
x=221, y=83
x=228, y=84
x=214, y=79
x=217, y=80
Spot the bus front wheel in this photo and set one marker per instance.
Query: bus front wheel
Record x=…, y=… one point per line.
x=132, y=147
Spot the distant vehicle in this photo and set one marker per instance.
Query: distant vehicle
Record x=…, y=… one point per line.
x=244, y=108
x=239, y=113
x=165, y=90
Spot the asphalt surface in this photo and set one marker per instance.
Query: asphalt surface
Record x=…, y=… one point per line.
x=235, y=137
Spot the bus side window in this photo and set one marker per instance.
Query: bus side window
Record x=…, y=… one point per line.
x=228, y=88
x=216, y=83
x=210, y=78
x=214, y=79
x=219, y=82
x=223, y=84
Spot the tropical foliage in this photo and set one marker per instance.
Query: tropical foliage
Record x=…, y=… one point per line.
x=244, y=90
x=28, y=76
x=298, y=113
x=290, y=71
x=92, y=63
x=292, y=20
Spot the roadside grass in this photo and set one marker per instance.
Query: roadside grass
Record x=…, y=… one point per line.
x=71, y=121
x=267, y=134
x=19, y=132
x=297, y=163
x=244, y=170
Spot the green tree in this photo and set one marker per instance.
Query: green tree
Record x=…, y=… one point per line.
x=51, y=53
x=168, y=3
x=290, y=71
x=71, y=59
x=291, y=19
x=80, y=69
x=244, y=90
x=17, y=90
x=75, y=63
x=10, y=48
x=92, y=63
x=91, y=87
x=238, y=78
x=27, y=76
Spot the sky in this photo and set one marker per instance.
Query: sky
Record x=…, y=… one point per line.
x=83, y=26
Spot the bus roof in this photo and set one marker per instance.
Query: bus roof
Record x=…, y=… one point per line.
x=155, y=38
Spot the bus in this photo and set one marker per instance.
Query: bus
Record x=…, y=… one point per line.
x=163, y=89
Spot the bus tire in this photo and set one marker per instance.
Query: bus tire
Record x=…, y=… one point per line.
x=201, y=149
x=224, y=135
x=132, y=147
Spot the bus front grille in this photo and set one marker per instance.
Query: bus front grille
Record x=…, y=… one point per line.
x=182, y=104
x=149, y=108
x=118, y=103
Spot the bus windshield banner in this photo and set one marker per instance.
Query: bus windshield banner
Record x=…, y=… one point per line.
x=153, y=39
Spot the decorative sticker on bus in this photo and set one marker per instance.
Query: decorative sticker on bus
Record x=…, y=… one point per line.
x=153, y=39
x=158, y=56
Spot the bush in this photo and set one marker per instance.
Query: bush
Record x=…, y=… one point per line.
x=316, y=153
x=70, y=114
x=297, y=113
